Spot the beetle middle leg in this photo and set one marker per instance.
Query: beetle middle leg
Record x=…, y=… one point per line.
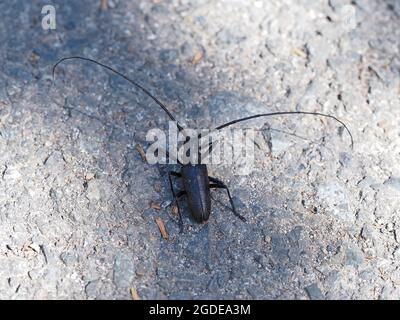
x=176, y=196
x=218, y=184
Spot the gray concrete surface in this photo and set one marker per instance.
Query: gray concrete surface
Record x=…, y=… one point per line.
x=323, y=221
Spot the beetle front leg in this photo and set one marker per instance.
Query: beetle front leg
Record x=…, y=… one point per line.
x=176, y=196
x=218, y=184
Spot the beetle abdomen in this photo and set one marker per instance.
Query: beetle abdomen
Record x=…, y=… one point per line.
x=197, y=187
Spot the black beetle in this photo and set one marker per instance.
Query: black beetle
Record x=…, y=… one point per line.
x=196, y=181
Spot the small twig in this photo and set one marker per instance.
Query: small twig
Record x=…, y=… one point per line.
x=155, y=205
x=197, y=57
x=134, y=294
x=139, y=148
x=104, y=5
x=299, y=53
x=161, y=226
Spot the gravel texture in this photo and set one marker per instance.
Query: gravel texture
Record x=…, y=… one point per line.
x=323, y=220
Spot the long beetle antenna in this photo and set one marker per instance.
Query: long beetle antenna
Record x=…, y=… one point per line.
x=287, y=113
x=126, y=78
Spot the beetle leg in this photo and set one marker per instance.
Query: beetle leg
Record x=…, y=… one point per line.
x=218, y=184
x=181, y=193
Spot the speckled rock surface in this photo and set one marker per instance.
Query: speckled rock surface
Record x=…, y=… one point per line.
x=323, y=220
